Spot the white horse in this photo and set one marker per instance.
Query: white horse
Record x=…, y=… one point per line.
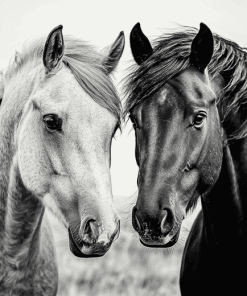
x=58, y=115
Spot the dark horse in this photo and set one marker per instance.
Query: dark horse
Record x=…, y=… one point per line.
x=188, y=104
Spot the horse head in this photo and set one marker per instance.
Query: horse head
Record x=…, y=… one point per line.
x=178, y=133
x=64, y=140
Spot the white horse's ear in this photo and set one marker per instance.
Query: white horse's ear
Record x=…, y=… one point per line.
x=1, y=86
x=114, y=54
x=54, y=49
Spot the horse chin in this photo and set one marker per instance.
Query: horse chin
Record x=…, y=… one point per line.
x=161, y=243
x=87, y=250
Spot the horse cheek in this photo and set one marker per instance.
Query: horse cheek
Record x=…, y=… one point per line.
x=213, y=159
x=32, y=160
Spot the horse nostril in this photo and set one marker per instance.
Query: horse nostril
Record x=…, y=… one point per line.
x=92, y=230
x=135, y=221
x=167, y=222
x=116, y=232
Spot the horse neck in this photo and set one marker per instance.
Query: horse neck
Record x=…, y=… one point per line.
x=22, y=222
x=20, y=212
x=16, y=93
x=223, y=207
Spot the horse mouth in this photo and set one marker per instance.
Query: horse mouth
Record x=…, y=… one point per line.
x=86, y=250
x=159, y=242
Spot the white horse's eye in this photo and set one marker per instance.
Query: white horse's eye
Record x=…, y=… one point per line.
x=52, y=122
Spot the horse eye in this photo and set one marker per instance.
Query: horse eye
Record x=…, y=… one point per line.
x=198, y=121
x=52, y=122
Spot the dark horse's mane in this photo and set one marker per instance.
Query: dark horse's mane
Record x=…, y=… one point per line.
x=171, y=56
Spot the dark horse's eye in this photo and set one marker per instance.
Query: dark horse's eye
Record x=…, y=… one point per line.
x=198, y=121
x=52, y=122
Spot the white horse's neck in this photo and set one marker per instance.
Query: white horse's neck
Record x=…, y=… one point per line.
x=27, y=259
x=22, y=222
x=16, y=93
x=20, y=212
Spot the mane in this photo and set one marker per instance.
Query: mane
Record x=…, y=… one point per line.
x=171, y=55
x=84, y=62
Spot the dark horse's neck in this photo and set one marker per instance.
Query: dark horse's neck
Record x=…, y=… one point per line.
x=214, y=258
x=222, y=244
x=224, y=225
x=223, y=207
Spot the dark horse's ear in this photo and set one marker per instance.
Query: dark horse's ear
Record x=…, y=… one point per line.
x=202, y=48
x=114, y=54
x=140, y=45
x=54, y=49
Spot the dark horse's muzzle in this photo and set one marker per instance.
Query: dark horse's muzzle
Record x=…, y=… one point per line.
x=154, y=231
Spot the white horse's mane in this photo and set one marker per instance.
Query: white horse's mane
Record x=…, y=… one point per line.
x=84, y=62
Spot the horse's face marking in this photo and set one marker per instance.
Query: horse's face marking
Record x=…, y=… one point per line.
x=178, y=148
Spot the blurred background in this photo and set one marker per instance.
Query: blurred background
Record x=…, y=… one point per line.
x=128, y=268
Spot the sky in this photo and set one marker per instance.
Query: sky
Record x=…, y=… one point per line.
x=100, y=22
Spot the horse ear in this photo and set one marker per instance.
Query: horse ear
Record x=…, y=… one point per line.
x=114, y=54
x=202, y=48
x=54, y=48
x=140, y=45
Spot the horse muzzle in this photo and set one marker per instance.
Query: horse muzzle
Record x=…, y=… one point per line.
x=154, y=232
x=159, y=242
x=92, y=243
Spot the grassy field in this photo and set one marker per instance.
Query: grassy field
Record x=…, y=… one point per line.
x=127, y=269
